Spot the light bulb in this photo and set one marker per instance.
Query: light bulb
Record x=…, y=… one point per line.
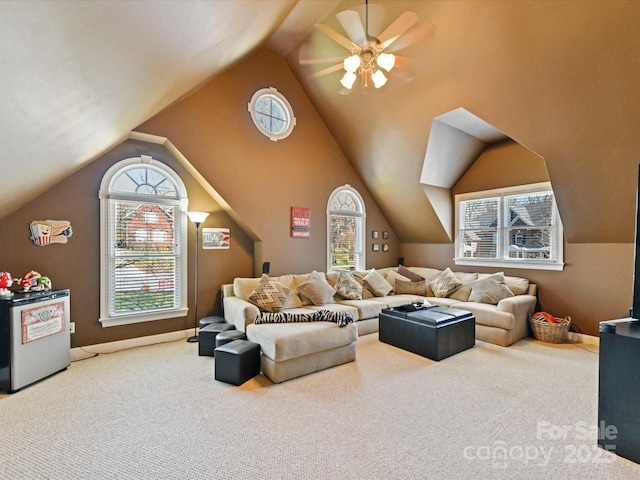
x=386, y=61
x=348, y=80
x=352, y=63
x=378, y=79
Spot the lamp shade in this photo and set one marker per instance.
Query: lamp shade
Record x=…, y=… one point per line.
x=378, y=79
x=386, y=61
x=352, y=63
x=197, y=217
x=348, y=80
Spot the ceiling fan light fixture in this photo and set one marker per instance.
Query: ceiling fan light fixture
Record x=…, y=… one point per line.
x=348, y=80
x=378, y=78
x=352, y=63
x=386, y=61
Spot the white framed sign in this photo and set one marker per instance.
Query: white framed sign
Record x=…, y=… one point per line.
x=216, y=238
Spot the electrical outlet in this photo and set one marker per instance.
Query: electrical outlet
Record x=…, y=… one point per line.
x=72, y=327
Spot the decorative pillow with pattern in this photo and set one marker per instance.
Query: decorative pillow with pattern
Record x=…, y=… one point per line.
x=270, y=295
x=342, y=319
x=405, y=272
x=377, y=284
x=490, y=289
x=348, y=287
x=317, y=289
x=445, y=283
x=392, y=276
x=412, y=288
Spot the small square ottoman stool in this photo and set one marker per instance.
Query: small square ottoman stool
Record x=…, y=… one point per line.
x=237, y=362
x=229, y=336
x=207, y=337
x=203, y=322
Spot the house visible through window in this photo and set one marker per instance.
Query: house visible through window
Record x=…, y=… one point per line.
x=143, y=268
x=345, y=230
x=518, y=227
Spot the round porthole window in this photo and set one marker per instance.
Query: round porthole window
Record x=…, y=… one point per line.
x=272, y=113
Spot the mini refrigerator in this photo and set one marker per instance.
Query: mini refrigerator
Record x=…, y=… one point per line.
x=34, y=337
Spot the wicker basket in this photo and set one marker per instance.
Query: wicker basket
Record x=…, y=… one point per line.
x=548, y=331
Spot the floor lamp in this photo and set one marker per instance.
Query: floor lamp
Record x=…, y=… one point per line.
x=197, y=218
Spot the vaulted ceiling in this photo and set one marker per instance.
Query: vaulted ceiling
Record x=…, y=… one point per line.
x=560, y=78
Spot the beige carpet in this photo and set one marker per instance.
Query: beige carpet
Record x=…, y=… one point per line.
x=156, y=412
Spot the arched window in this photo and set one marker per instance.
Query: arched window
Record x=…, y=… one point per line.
x=142, y=243
x=345, y=230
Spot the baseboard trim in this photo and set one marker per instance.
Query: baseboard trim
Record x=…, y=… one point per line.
x=88, y=351
x=574, y=337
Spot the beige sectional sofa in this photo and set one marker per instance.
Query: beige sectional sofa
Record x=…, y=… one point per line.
x=503, y=322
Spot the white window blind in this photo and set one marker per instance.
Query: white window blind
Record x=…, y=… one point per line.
x=345, y=230
x=515, y=227
x=143, y=267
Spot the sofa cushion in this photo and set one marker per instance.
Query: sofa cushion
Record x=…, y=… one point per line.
x=317, y=290
x=270, y=295
x=412, y=288
x=488, y=315
x=392, y=276
x=294, y=300
x=346, y=286
x=244, y=287
x=281, y=342
x=519, y=286
x=462, y=293
x=366, y=308
x=377, y=284
x=490, y=289
x=405, y=272
x=445, y=283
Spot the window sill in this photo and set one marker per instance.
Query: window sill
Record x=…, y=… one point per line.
x=143, y=317
x=510, y=264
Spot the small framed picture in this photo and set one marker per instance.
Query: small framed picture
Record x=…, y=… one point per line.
x=385, y=247
x=374, y=234
x=385, y=235
x=375, y=247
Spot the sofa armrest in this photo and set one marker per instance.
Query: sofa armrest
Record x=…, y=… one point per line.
x=239, y=312
x=519, y=306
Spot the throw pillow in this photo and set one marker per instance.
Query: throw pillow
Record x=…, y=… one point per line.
x=317, y=289
x=445, y=283
x=392, y=276
x=412, y=288
x=490, y=289
x=348, y=287
x=270, y=295
x=377, y=284
x=405, y=272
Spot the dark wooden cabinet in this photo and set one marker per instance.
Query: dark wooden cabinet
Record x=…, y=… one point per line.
x=619, y=388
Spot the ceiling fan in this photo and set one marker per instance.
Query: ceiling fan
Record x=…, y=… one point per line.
x=367, y=58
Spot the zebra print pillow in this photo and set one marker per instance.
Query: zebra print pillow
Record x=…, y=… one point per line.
x=340, y=318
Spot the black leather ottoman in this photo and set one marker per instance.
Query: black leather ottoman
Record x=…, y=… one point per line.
x=434, y=332
x=229, y=336
x=237, y=362
x=203, y=322
x=207, y=337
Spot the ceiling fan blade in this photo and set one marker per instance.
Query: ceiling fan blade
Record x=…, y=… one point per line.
x=341, y=39
x=324, y=71
x=352, y=25
x=403, y=23
x=316, y=61
x=419, y=33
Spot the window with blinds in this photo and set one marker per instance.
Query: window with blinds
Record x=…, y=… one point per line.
x=143, y=205
x=345, y=230
x=515, y=227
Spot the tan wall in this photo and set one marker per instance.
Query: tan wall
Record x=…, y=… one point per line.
x=597, y=281
x=261, y=179
x=76, y=265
